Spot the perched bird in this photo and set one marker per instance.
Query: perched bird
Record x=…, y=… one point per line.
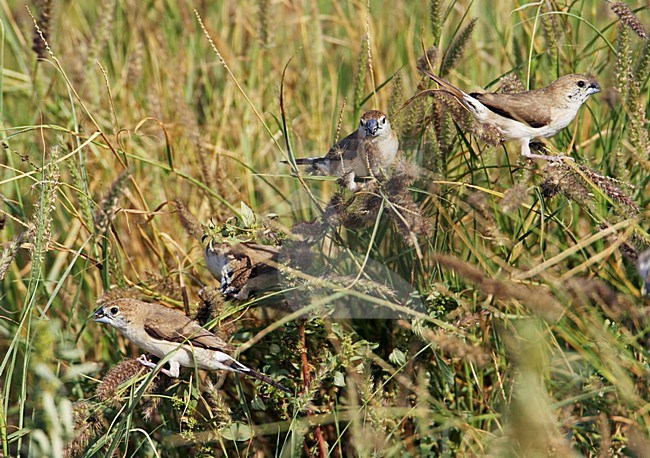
x=243, y=268
x=365, y=153
x=643, y=266
x=526, y=115
x=161, y=331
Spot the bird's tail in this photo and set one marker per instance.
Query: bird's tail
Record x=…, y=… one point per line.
x=447, y=87
x=306, y=161
x=316, y=165
x=238, y=367
x=266, y=379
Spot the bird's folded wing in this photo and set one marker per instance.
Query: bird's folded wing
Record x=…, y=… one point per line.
x=186, y=331
x=344, y=147
x=249, y=260
x=256, y=253
x=519, y=107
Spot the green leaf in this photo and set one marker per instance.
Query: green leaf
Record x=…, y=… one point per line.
x=258, y=404
x=247, y=216
x=447, y=372
x=236, y=432
x=339, y=379
x=397, y=357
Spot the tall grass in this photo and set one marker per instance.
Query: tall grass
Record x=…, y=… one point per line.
x=516, y=324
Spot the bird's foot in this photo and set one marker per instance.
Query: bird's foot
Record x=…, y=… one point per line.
x=145, y=362
x=564, y=157
x=560, y=157
x=347, y=181
x=168, y=373
x=142, y=359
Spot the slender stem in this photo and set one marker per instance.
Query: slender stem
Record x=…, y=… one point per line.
x=306, y=379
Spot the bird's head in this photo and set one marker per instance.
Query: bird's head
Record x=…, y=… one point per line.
x=373, y=123
x=216, y=258
x=576, y=88
x=117, y=313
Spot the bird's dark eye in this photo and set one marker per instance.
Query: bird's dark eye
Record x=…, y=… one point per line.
x=114, y=310
x=382, y=120
x=581, y=84
x=361, y=122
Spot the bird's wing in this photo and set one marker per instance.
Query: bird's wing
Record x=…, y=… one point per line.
x=517, y=106
x=179, y=328
x=248, y=260
x=257, y=253
x=238, y=271
x=344, y=147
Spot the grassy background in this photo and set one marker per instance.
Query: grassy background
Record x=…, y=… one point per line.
x=534, y=339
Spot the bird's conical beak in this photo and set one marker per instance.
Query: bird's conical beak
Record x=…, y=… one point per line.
x=99, y=316
x=371, y=127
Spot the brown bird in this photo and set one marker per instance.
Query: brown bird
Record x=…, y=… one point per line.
x=365, y=153
x=243, y=268
x=523, y=116
x=163, y=331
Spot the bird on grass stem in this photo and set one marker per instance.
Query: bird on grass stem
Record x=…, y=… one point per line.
x=162, y=331
x=367, y=152
x=523, y=116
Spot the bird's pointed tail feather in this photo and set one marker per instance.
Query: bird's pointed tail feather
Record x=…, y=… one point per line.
x=241, y=369
x=305, y=160
x=447, y=87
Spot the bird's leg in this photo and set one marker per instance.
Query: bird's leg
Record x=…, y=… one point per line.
x=145, y=362
x=348, y=181
x=525, y=151
x=174, y=367
x=564, y=157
